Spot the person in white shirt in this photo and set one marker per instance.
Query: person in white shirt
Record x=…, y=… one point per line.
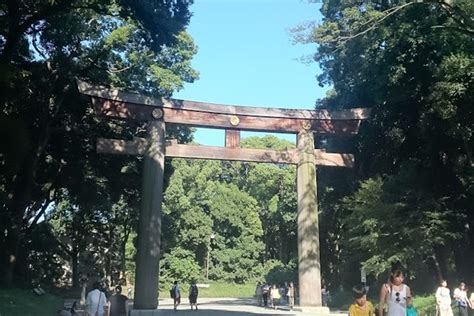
x=96, y=301
x=395, y=294
x=443, y=300
x=471, y=300
x=460, y=295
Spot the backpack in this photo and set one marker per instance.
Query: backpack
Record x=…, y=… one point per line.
x=173, y=292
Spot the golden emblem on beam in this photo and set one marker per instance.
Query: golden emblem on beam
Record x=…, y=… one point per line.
x=306, y=125
x=157, y=113
x=234, y=120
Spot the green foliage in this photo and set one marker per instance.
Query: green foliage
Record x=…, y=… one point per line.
x=46, y=257
x=179, y=265
x=230, y=202
x=410, y=196
x=425, y=305
x=384, y=217
x=130, y=253
x=15, y=302
x=197, y=204
x=224, y=289
x=279, y=273
x=217, y=289
x=274, y=187
x=54, y=174
x=266, y=142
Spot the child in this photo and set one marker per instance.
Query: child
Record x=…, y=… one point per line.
x=361, y=306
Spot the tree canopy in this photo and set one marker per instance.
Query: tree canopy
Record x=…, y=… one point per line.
x=412, y=193
x=48, y=168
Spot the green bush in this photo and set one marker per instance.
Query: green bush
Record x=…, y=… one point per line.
x=179, y=265
x=425, y=305
x=279, y=273
x=217, y=289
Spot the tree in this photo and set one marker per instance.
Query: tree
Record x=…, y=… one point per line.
x=411, y=63
x=44, y=46
x=199, y=202
x=178, y=265
x=274, y=187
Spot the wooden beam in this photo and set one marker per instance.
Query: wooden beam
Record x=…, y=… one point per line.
x=232, y=138
x=233, y=154
x=261, y=124
x=333, y=159
x=185, y=105
x=138, y=147
x=121, y=110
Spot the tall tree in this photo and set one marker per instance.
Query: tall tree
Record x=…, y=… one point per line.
x=274, y=187
x=44, y=47
x=205, y=214
x=411, y=62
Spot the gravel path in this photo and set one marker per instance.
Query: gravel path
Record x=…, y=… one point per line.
x=226, y=307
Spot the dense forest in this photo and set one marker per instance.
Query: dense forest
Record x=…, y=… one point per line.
x=66, y=210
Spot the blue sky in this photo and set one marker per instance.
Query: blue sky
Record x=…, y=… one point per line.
x=246, y=57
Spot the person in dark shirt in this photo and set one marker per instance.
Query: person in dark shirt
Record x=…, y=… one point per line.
x=193, y=294
x=118, y=303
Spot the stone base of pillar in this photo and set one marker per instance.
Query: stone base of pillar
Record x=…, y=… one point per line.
x=314, y=310
x=144, y=312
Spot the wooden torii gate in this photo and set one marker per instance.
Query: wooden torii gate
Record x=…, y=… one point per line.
x=158, y=111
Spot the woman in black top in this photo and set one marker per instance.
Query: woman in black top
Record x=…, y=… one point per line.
x=118, y=303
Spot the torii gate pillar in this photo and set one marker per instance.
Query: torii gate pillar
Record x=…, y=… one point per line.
x=149, y=229
x=309, y=267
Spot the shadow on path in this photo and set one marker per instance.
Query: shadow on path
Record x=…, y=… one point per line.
x=219, y=312
x=222, y=306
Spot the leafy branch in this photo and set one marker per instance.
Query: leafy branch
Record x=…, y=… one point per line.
x=464, y=23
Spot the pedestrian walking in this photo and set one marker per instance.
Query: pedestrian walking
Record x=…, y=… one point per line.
x=361, y=306
x=193, y=295
x=96, y=301
x=460, y=295
x=118, y=303
x=395, y=294
x=265, y=294
x=176, y=295
x=275, y=296
x=258, y=294
x=291, y=295
x=443, y=300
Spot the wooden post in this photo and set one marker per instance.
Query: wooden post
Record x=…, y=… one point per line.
x=309, y=267
x=149, y=229
x=232, y=138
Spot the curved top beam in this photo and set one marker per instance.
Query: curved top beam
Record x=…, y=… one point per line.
x=323, y=114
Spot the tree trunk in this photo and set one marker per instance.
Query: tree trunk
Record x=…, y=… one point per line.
x=122, y=266
x=437, y=266
x=12, y=244
x=75, y=266
x=21, y=195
